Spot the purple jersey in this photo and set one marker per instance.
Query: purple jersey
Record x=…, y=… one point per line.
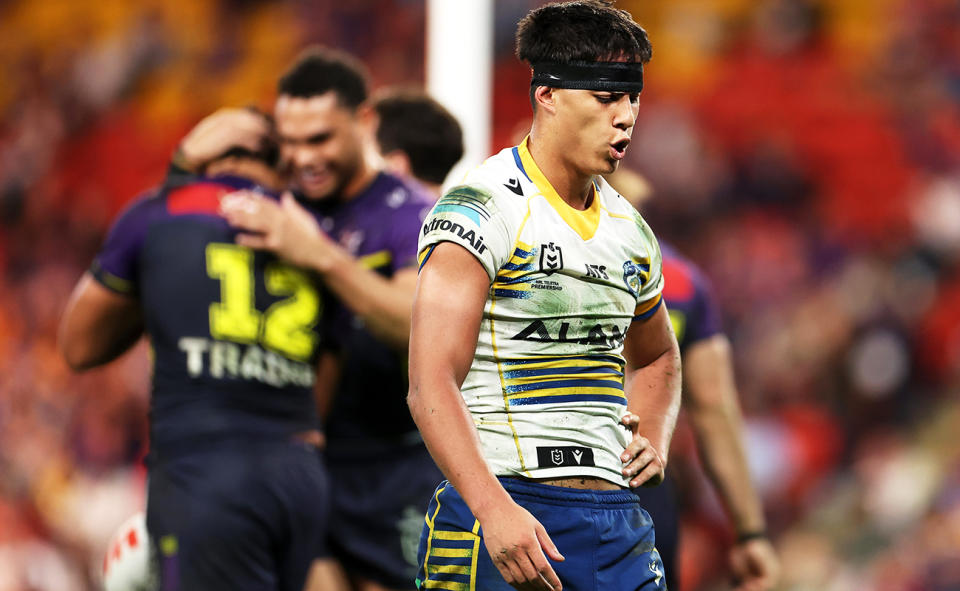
x=690, y=300
x=380, y=227
x=235, y=333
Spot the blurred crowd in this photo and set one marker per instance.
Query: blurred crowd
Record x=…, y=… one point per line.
x=805, y=154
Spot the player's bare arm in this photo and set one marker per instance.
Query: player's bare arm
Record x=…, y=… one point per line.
x=714, y=409
x=653, y=383
x=447, y=312
x=289, y=231
x=98, y=325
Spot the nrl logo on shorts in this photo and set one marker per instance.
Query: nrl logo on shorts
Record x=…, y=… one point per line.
x=551, y=258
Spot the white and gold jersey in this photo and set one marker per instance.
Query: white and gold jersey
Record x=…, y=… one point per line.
x=546, y=385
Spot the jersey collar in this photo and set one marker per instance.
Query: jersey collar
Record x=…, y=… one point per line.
x=583, y=222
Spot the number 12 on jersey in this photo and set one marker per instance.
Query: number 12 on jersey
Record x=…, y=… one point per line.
x=286, y=326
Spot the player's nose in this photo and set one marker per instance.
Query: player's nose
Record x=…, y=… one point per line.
x=625, y=114
x=301, y=155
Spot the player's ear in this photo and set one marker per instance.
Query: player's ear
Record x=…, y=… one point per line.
x=398, y=163
x=367, y=116
x=545, y=98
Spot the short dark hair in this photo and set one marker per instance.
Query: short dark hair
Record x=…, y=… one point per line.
x=417, y=125
x=581, y=31
x=268, y=150
x=584, y=30
x=319, y=70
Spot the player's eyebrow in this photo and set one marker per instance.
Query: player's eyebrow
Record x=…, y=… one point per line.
x=316, y=138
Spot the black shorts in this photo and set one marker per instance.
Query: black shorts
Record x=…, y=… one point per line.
x=378, y=508
x=248, y=518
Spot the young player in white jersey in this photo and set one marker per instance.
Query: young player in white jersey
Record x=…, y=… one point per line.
x=539, y=289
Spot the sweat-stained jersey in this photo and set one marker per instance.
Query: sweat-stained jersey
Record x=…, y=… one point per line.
x=546, y=385
x=234, y=332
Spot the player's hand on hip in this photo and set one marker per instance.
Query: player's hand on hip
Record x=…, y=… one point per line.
x=519, y=546
x=642, y=463
x=221, y=131
x=754, y=565
x=285, y=228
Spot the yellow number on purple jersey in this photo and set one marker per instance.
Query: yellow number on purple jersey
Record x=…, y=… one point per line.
x=287, y=325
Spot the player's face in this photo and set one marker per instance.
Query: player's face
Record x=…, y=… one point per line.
x=320, y=143
x=598, y=125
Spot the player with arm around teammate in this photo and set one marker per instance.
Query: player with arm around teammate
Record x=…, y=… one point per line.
x=539, y=288
x=237, y=496
x=363, y=248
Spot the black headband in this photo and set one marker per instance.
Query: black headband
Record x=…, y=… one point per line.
x=610, y=76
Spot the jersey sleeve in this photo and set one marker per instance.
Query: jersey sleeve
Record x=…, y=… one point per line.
x=404, y=238
x=116, y=264
x=705, y=321
x=467, y=215
x=648, y=269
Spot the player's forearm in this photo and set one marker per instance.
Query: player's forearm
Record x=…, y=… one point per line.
x=382, y=303
x=449, y=433
x=714, y=412
x=717, y=430
x=654, y=396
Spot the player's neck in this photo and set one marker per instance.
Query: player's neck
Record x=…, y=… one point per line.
x=366, y=174
x=573, y=186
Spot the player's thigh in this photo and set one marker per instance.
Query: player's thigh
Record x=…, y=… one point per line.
x=298, y=484
x=451, y=554
x=605, y=536
x=198, y=514
x=218, y=519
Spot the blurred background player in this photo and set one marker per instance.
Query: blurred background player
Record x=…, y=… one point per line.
x=237, y=496
x=711, y=404
x=416, y=136
x=364, y=251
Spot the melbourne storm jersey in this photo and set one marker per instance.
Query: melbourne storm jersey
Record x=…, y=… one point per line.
x=546, y=385
x=234, y=333
x=693, y=310
x=369, y=414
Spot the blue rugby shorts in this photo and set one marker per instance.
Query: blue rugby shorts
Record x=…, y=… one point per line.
x=605, y=536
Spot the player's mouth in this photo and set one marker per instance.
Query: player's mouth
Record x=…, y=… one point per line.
x=619, y=149
x=311, y=177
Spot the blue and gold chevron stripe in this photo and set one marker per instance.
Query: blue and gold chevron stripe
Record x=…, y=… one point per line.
x=512, y=280
x=548, y=380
